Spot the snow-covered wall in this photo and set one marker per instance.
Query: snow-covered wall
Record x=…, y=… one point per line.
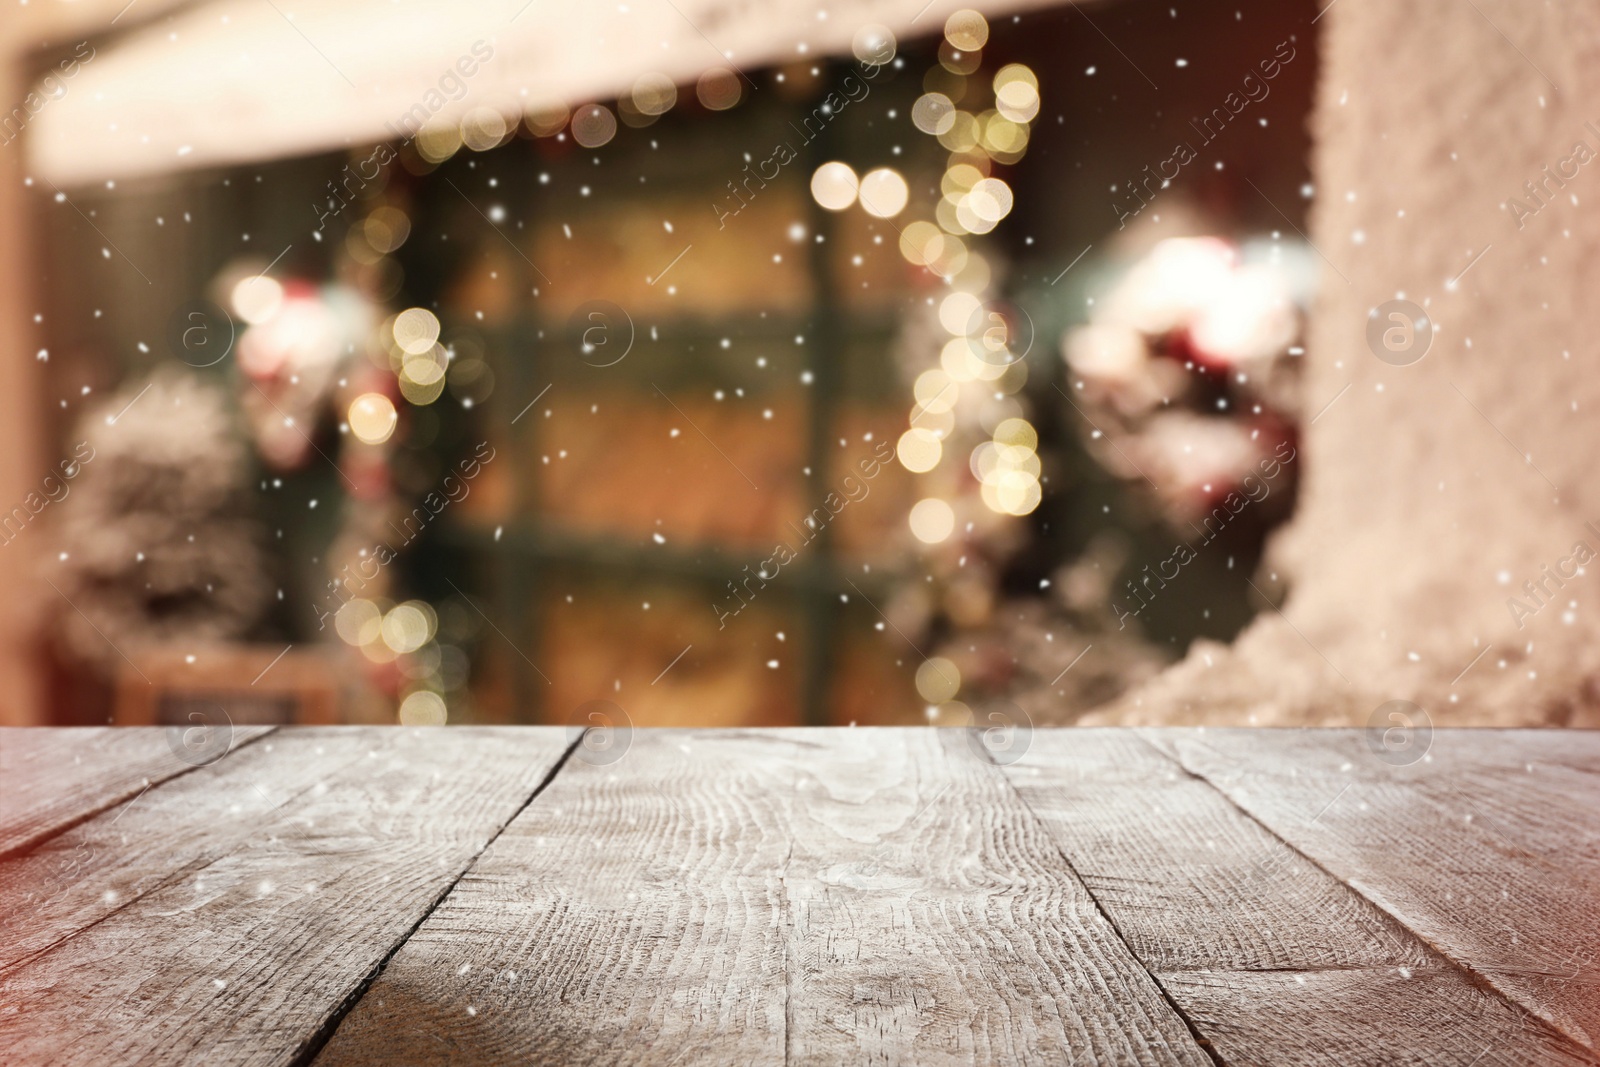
x=1433, y=491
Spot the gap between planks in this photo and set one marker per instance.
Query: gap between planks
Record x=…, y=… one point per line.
x=1199, y=1037
x=1477, y=976
x=1472, y=977
x=313, y=1047
x=94, y=810
x=1469, y=975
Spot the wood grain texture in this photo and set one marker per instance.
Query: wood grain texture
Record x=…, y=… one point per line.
x=1488, y=847
x=933, y=921
x=632, y=914
x=805, y=896
x=1271, y=958
x=808, y=896
x=82, y=875
x=246, y=956
x=51, y=779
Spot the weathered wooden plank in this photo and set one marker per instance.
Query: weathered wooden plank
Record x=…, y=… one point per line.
x=939, y=924
x=1488, y=846
x=630, y=915
x=808, y=896
x=1269, y=957
x=80, y=876
x=245, y=958
x=51, y=779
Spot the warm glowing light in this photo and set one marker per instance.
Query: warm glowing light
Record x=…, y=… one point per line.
x=957, y=61
x=415, y=330
x=654, y=94
x=958, y=313
x=423, y=708
x=990, y=199
x=962, y=133
x=1015, y=72
x=991, y=462
x=922, y=243
x=938, y=680
x=917, y=242
x=1176, y=282
x=422, y=380
x=1016, y=492
x=835, y=186
x=939, y=423
x=483, y=128
x=935, y=390
x=426, y=367
x=1017, y=101
x=873, y=45
x=257, y=299
x=919, y=450
x=545, y=120
x=1109, y=352
x=386, y=229
x=357, y=621
x=372, y=418
x=1000, y=136
x=1253, y=318
x=973, y=277
x=1017, y=432
x=932, y=521
x=947, y=213
x=438, y=141
x=884, y=193
x=969, y=219
x=960, y=361
x=959, y=178
x=405, y=628
x=966, y=30
x=933, y=113
x=718, y=89
x=593, y=125
x=1013, y=376
x=948, y=255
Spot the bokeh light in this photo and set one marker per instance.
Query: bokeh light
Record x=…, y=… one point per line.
x=873, y=44
x=357, y=621
x=423, y=708
x=718, y=89
x=386, y=229
x=593, y=125
x=483, y=128
x=546, y=120
x=407, y=627
x=966, y=30
x=654, y=94
x=416, y=330
x=919, y=450
x=256, y=299
x=938, y=680
x=932, y=520
x=834, y=186
x=884, y=193
x=438, y=141
x=372, y=418
x=933, y=113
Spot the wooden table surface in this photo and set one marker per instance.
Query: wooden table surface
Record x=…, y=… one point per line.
x=369, y=895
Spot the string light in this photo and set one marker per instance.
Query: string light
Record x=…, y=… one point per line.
x=973, y=200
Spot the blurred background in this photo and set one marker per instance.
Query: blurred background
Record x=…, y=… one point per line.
x=702, y=364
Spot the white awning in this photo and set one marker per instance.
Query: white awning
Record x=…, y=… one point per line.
x=235, y=81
